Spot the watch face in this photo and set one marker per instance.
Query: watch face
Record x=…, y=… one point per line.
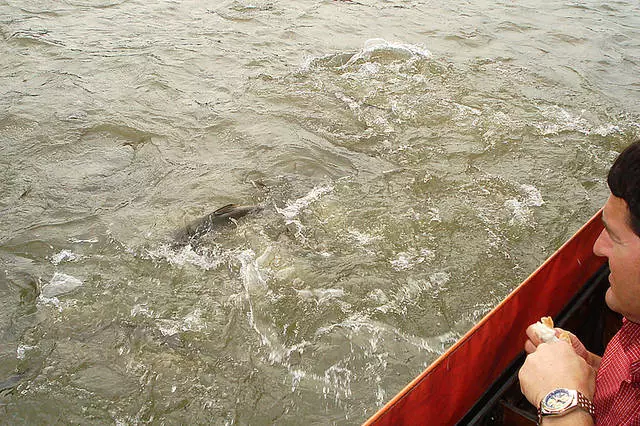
x=557, y=400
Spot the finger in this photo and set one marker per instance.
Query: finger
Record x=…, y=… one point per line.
x=573, y=340
x=529, y=347
x=578, y=346
x=533, y=336
x=559, y=331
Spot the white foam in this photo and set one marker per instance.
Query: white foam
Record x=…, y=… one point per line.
x=401, y=262
x=380, y=393
x=561, y=120
x=64, y=255
x=520, y=208
x=266, y=257
x=375, y=45
x=434, y=215
x=294, y=208
x=371, y=47
x=355, y=323
x=479, y=312
x=369, y=68
x=520, y=214
x=78, y=241
x=464, y=111
x=168, y=327
x=532, y=196
x=607, y=129
x=50, y=301
x=194, y=322
x=375, y=120
x=321, y=295
x=338, y=381
x=296, y=378
x=408, y=293
x=22, y=350
x=408, y=260
x=361, y=238
x=351, y=103
x=310, y=60
x=282, y=354
x=252, y=279
x=141, y=309
x=60, y=284
x=439, y=279
x=208, y=258
x=191, y=322
x=378, y=296
x=250, y=270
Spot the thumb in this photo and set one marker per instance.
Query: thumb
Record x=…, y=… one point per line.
x=576, y=344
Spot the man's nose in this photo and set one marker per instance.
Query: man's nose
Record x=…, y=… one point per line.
x=600, y=246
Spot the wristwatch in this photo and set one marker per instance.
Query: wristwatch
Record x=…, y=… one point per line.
x=560, y=401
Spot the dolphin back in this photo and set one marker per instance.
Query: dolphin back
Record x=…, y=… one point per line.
x=224, y=215
x=10, y=383
x=233, y=211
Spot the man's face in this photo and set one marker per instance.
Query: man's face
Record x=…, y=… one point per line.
x=621, y=246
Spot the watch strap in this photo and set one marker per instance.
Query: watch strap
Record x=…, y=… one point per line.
x=586, y=405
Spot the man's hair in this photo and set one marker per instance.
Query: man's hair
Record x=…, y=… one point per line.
x=624, y=182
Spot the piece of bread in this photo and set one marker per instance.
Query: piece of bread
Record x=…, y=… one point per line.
x=547, y=333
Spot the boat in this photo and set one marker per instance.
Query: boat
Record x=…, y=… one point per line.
x=475, y=381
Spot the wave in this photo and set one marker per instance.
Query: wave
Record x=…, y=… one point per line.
x=375, y=50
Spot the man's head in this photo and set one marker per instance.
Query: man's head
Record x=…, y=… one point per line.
x=624, y=182
x=620, y=240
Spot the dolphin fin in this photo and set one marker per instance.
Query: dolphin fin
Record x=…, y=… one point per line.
x=225, y=210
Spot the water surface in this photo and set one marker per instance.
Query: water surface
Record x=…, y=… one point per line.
x=416, y=161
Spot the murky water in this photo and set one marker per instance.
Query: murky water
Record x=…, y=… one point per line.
x=416, y=161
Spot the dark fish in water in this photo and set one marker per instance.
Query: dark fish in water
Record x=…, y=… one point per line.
x=7, y=386
x=224, y=215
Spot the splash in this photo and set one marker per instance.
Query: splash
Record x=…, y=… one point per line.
x=191, y=322
x=206, y=258
x=369, y=55
x=22, y=350
x=354, y=323
x=532, y=195
x=364, y=240
x=321, y=295
x=250, y=270
x=64, y=256
x=411, y=258
x=60, y=284
x=520, y=208
x=561, y=120
x=252, y=278
x=378, y=45
x=80, y=241
x=337, y=381
x=292, y=210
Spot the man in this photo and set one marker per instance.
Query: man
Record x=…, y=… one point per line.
x=613, y=382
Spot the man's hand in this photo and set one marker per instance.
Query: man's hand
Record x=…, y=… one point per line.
x=534, y=340
x=555, y=365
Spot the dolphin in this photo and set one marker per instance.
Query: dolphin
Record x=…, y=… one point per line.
x=8, y=385
x=224, y=215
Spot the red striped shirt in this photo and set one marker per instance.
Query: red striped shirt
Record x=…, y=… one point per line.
x=617, y=397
